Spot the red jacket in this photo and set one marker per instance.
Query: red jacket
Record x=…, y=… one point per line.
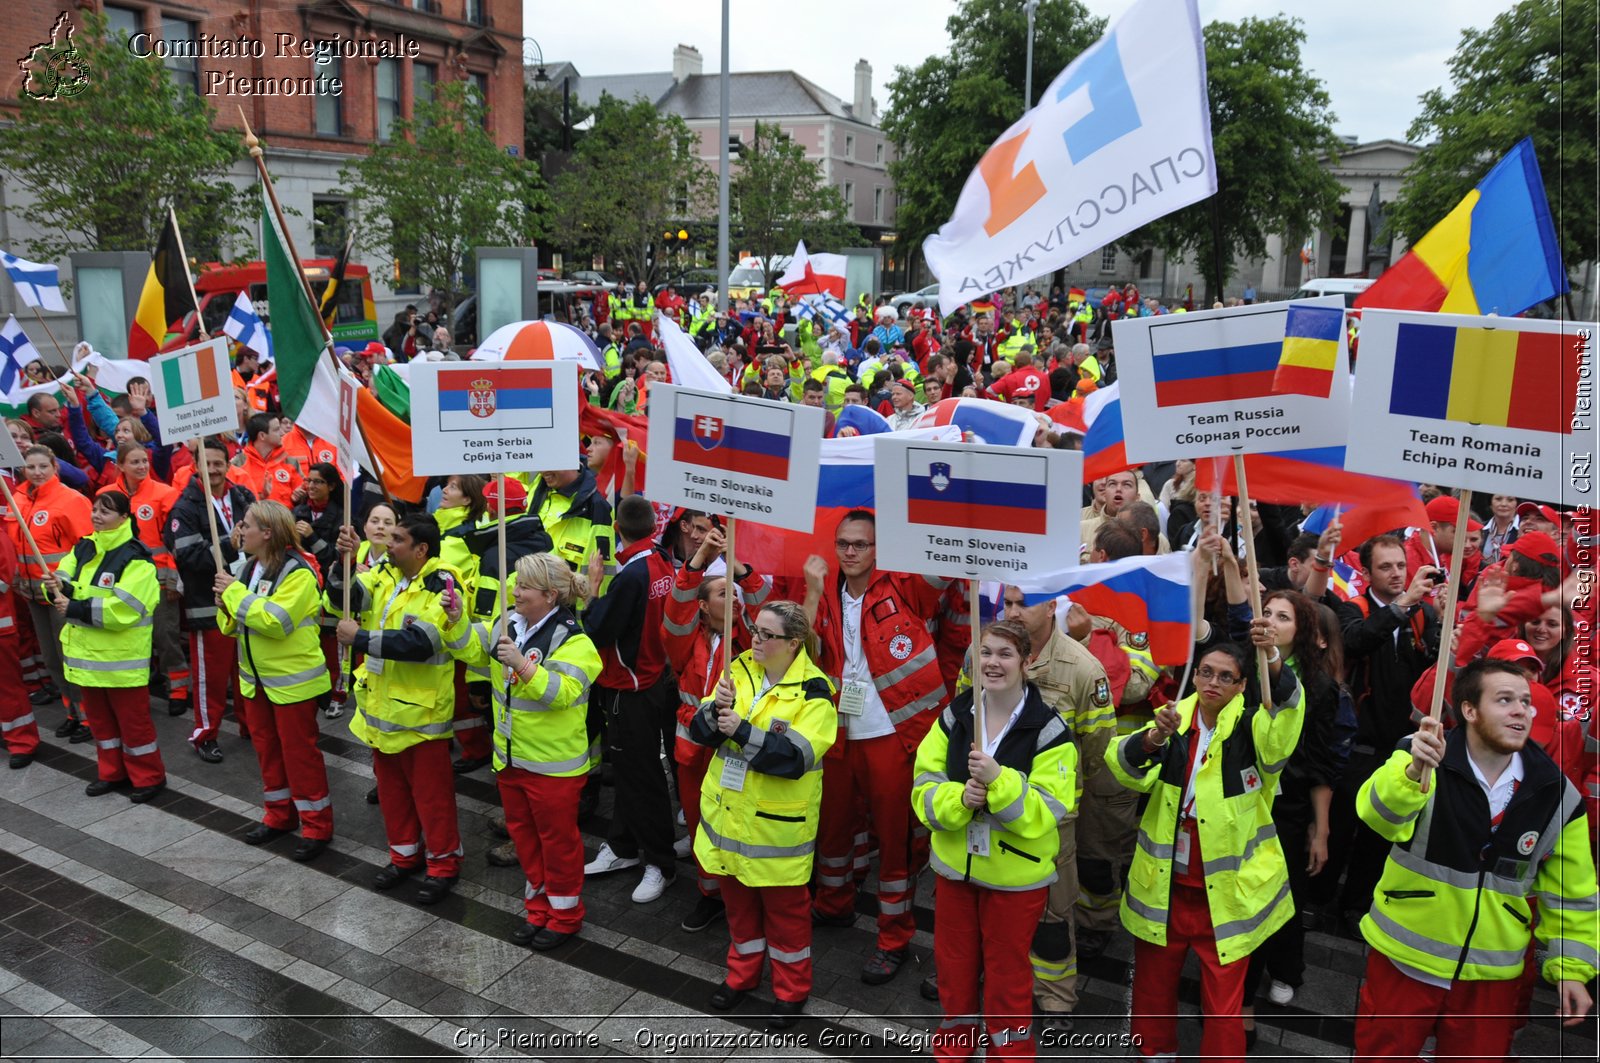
x=690, y=644
x=1027, y=382
x=1418, y=554
x=152, y=504
x=10, y=574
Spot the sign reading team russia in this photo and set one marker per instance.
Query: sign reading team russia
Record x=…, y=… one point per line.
x=1119, y=139
x=485, y=417
x=739, y=457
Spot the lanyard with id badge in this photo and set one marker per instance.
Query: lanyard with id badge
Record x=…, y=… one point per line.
x=978, y=825
x=734, y=766
x=375, y=664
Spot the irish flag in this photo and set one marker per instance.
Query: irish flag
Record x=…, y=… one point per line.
x=191, y=378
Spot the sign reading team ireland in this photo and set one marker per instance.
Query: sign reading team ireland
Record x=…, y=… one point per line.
x=193, y=390
x=1120, y=138
x=487, y=417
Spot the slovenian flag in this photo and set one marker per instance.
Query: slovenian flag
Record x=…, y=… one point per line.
x=38, y=284
x=728, y=435
x=1499, y=377
x=1148, y=594
x=1310, y=351
x=979, y=491
x=477, y=398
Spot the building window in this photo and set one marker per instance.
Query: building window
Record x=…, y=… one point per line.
x=423, y=78
x=877, y=204
x=849, y=146
x=330, y=116
x=877, y=153
x=1108, y=260
x=183, y=72
x=475, y=13
x=121, y=20
x=480, y=85
x=388, y=95
x=849, y=197
x=330, y=223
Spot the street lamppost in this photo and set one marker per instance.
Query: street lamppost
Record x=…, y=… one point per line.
x=1027, y=90
x=722, y=177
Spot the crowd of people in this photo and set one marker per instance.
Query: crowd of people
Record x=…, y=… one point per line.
x=819, y=728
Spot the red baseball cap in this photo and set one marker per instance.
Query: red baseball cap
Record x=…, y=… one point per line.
x=1536, y=546
x=1514, y=650
x=1444, y=509
x=516, y=495
x=1549, y=513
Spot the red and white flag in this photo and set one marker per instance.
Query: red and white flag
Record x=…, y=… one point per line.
x=814, y=274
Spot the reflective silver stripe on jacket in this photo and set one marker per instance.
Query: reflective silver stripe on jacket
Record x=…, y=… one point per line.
x=390, y=727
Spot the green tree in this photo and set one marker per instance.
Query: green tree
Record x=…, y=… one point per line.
x=1533, y=72
x=635, y=175
x=439, y=187
x=1272, y=133
x=944, y=113
x=542, y=119
x=779, y=198
x=100, y=167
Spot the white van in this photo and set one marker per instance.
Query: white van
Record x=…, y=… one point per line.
x=1349, y=287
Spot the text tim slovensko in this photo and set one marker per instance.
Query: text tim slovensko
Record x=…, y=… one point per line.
x=727, y=503
x=1470, y=462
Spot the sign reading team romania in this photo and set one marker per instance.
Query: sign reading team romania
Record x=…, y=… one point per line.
x=754, y=459
x=488, y=417
x=193, y=390
x=1486, y=403
x=1242, y=380
x=986, y=512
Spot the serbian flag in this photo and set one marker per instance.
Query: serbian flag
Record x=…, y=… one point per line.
x=475, y=398
x=810, y=274
x=983, y=492
x=1149, y=594
x=1495, y=253
x=167, y=294
x=1310, y=351
x=988, y=421
x=1372, y=504
x=730, y=436
x=1105, y=448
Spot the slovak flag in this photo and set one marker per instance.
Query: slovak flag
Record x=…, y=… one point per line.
x=814, y=274
x=978, y=490
x=729, y=435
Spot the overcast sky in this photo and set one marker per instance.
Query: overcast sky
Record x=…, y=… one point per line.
x=1374, y=56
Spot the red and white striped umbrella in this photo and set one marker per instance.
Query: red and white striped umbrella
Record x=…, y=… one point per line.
x=538, y=341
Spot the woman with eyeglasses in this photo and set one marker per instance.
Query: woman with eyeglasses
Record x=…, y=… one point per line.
x=769, y=723
x=1209, y=873
x=994, y=789
x=317, y=521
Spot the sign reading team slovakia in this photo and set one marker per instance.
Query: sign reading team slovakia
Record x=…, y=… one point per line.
x=487, y=417
x=968, y=509
x=754, y=459
x=193, y=390
x=1120, y=138
x=1486, y=403
x=1209, y=383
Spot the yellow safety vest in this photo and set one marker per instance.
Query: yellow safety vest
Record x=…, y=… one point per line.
x=276, y=624
x=112, y=588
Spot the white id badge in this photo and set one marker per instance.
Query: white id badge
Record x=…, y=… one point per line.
x=1180, y=858
x=733, y=771
x=853, y=699
x=978, y=836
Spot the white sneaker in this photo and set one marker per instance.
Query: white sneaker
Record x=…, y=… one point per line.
x=681, y=821
x=605, y=861
x=651, y=887
x=683, y=848
x=1280, y=992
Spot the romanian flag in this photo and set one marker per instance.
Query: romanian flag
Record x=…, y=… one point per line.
x=1495, y=253
x=982, y=492
x=1485, y=376
x=167, y=294
x=1310, y=351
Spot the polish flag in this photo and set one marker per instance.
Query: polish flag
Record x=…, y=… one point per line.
x=814, y=274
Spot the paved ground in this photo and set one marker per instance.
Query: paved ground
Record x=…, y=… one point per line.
x=146, y=931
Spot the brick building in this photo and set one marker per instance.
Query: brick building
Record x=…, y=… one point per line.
x=394, y=53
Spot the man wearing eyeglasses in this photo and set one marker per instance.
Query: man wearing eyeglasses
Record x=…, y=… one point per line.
x=880, y=654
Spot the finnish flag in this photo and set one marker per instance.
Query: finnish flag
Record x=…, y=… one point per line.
x=38, y=284
x=246, y=327
x=16, y=354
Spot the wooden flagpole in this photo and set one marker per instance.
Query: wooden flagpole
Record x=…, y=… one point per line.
x=1447, y=617
x=57, y=343
x=11, y=506
x=199, y=326
x=730, y=596
x=973, y=619
x=1252, y=580
x=210, y=507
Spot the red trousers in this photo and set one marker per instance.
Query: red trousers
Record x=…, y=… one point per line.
x=985, y=933
x=542, y=816
x=330, y=653
x=124, y=735
x=417, y=795
x=294, y=779
x=472, y=727
x=1156, y=969
x=1472, y=1020
x=34, y=673
x=214, y=668
x=770, y=920
x=16, y=711
x=879, y=770
x=691, y=773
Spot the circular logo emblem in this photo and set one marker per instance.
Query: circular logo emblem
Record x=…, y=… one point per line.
x=1573, y=707
x=1526, y=843
x=41, y=518
x=900, y=647
x=535, y=655
x=282, y=475
x=175, y=524
x=147, y=512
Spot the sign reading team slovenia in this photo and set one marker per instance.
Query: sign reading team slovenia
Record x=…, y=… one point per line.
x=968, y=509
x=1486, y=403
x=193, y=390
x=487, y=417
x=1243, y=380
x=754, y=459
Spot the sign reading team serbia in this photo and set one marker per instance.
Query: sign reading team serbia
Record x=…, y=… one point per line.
x=493, y=416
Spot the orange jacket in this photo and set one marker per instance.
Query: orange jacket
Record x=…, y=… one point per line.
x=276, y=476
x=152, y=502
x=58, y=517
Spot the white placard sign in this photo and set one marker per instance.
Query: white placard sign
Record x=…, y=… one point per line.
x=1201, y=384
x=1495, y=404
x=10, y=455
x=750, y=458
x=974, y=510
x=193, y=391
x=488, y=417
x=348, y=388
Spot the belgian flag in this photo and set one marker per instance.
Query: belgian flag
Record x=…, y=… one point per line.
x=168, y=294
x=330, y=294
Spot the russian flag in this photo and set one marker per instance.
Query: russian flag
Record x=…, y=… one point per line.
x=993, y=422
x=732, y=436
x=479, y=398
x=1217, y=374
x=1149, y=594
x=983, y=492
x=1105, y=448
